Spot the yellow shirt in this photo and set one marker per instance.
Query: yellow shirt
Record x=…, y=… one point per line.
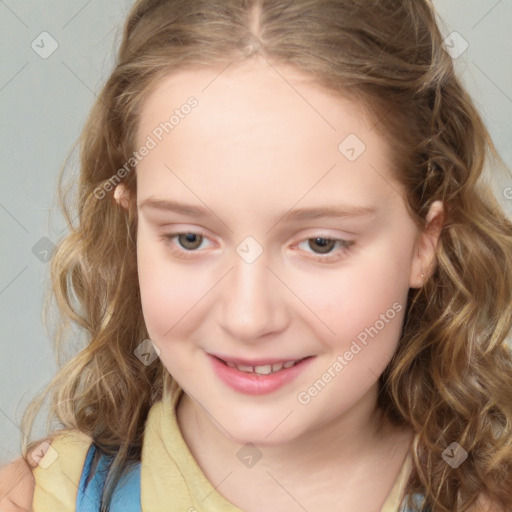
x=171, y=479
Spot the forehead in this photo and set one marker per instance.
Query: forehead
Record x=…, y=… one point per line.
x=255, y=92
x=260, y=125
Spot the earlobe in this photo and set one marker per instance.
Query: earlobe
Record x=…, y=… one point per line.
x=423, y=264
x=121, y=196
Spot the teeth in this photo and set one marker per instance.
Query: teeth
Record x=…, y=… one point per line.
x=263, y=370
x=277, y=366
x=266, y=369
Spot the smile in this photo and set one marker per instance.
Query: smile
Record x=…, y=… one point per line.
x=260, y=377
x=266, y=369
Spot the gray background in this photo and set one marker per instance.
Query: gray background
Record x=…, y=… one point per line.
x=44, y=103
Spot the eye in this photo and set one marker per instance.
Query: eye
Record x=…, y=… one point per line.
x=187, y=242
x=323, y=247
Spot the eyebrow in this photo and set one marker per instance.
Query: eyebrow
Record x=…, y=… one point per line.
x=341, y=211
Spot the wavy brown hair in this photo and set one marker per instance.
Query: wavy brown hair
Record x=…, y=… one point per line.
x=451, y=377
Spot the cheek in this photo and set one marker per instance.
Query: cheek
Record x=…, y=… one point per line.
x=364, y=301
x=168, y=293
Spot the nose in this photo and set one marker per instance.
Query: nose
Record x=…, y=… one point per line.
x=253, y=301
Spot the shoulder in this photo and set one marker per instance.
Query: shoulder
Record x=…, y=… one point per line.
x=16, y=486
x=57, y=466
x=48, y=461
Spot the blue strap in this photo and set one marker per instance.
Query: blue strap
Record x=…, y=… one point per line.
x=126, y=497
x=418, y=500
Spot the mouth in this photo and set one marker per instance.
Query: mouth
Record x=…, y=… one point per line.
x=261, y=367
x=258, y=377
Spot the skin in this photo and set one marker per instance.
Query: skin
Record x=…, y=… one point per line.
x=16, y=487
x=253, y=149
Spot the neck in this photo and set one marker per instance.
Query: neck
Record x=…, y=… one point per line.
x=357, y=438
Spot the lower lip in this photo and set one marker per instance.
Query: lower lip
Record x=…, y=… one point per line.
x=253, y=383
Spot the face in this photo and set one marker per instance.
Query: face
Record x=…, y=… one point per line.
x=241, y=276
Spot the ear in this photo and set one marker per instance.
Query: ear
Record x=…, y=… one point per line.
x=424, y=261
x=122, y=196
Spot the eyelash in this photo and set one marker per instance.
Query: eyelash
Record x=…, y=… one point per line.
x=346, y=246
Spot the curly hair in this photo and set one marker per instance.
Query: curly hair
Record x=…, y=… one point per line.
x=451, y=376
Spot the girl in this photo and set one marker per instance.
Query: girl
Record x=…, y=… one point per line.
x=286, y=261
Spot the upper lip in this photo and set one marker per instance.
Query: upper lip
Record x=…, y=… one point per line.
x=255, y=362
